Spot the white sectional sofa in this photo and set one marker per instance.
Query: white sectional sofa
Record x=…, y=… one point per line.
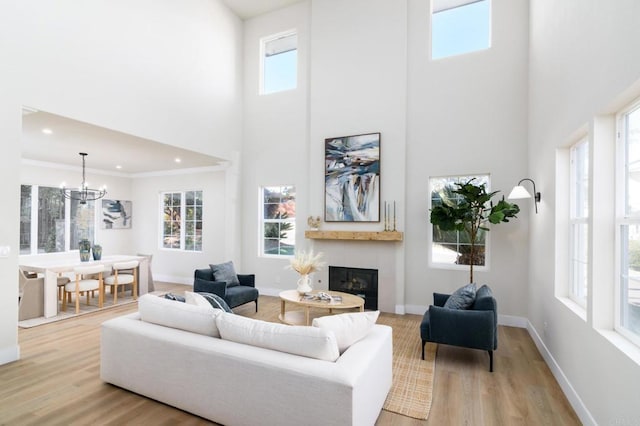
x=167, y=352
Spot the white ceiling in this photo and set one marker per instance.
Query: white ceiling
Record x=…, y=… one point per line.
x=247, y=9
x=106, y=148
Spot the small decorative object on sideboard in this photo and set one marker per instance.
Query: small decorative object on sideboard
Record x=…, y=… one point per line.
x=314, y=222
x=84, y=247
x=97, y=252
x=305, y=264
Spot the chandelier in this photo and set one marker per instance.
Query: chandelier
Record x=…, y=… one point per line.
x=83, y=193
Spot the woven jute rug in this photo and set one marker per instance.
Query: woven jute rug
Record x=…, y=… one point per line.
x=412, y=387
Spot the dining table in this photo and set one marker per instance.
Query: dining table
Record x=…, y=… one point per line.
x=52, y=267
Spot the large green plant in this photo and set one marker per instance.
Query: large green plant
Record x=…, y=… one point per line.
x=468, y=213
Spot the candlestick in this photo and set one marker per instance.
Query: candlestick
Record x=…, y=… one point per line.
x=394, y=216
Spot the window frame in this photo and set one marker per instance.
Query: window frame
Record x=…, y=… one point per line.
x=454, y=266
x=623, y=219
x=263, y=43
x=263, y=221
x=576, y=292
x=183, y=221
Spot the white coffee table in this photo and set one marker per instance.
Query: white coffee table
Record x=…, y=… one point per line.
x=305, y=316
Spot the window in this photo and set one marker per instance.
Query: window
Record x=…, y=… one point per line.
x=49, y=223
x=459, y=26
x=279, y=62
x=578, y=222
x=182, y=220
x=452, y=247
x=628, y=259
x=278, y=228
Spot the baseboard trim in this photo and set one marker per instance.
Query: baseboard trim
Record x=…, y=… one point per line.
x=10, y=354
x=172, y=279
x=581, y=410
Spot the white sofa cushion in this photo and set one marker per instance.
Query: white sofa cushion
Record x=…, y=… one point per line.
x=196, y=299
x=183, y=316
x=348, y=328
x=298, y=340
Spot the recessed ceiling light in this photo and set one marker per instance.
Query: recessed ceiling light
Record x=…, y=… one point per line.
x=47, y=131
x=118, y=167
x=178, y=160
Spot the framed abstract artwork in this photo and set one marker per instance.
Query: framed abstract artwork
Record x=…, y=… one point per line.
x=116, y=214
x=352, y=178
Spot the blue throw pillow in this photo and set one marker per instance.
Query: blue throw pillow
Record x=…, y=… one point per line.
x=462, y=298
x=216, y=301
x=225, y=272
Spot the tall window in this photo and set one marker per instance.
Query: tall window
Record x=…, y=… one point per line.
x=628, y=219
x=50, y=223
x=182, y=220
x=278, y=228
x=453, y=247
x=578, y=222
x=459, y=26
x=279, y=62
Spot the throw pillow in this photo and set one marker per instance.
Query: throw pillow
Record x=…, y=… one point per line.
x=216, y=301
x=348, y=328
x=462, y=298
x=311, y=342
x=183, y=316
x=225, y=272
x=197, y=299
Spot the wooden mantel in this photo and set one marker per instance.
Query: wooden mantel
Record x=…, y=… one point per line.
x=355, y=235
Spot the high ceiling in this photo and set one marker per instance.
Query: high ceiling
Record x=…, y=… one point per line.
x=247, y=9
x=106, y=149
x=113, y=151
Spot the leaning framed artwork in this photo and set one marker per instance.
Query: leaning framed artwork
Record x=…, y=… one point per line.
x=352, y=178
x=116, y=214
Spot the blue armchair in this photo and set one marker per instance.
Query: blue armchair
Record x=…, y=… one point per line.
x=234, y=295
x=476, y=327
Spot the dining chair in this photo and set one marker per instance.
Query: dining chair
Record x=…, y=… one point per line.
x=30, y=295
x=85, y=285
x=124, y=273
x=150, y=285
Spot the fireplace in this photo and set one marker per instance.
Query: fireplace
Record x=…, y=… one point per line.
x=358, y=281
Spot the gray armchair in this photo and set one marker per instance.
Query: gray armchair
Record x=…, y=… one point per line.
x=234, y=295
x=476, y=327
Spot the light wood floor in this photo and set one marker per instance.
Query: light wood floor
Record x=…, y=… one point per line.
x=56, y=381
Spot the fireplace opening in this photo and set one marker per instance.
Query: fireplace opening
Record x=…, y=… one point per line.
x=358, y=281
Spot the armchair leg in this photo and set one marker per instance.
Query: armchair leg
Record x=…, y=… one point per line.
x=256, y=305
x=424, y=342
x=491, y=361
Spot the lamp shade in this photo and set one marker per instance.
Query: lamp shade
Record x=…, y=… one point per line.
x=519, y=192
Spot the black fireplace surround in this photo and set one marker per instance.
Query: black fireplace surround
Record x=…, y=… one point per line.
x=358, y=281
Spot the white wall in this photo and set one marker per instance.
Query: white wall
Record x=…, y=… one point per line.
x=582, y=58
x=276, y=143
x=467, y=115
x=162, y=70
x=169, y=265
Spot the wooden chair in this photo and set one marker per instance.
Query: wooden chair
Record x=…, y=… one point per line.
x=30, y=295
x=124, y=273
x=84, y=285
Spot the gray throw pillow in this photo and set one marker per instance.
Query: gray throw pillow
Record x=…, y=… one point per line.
x=216, y=301
x=225, y=272
x=462, y=298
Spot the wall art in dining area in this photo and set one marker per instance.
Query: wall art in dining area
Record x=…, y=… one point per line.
x=116, y=214
x=352, y=178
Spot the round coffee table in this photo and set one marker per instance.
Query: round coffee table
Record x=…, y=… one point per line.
x=304, y=316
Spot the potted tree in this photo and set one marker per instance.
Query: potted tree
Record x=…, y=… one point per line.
x=469, y=214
